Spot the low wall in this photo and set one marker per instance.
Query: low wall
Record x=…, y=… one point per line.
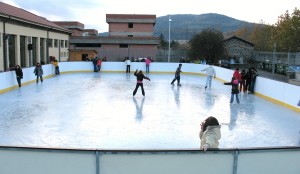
x=279, y=92
x=16, y=160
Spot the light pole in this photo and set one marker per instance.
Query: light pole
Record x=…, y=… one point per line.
x=170, y=20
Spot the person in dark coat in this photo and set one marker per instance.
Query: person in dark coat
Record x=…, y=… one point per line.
x=177, y=75
x=248, y=79
x=19, y=74
x=38, y=71
x=243, y=81
x=254, y=74
x=139, y=83
x=234, y=90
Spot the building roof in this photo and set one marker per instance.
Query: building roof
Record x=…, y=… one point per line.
x=134, y=18
x=114, y=40
x=70, y=24
x=235, y=37
x=15, y=13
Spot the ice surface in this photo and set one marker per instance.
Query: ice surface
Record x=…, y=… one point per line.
x=97, y=110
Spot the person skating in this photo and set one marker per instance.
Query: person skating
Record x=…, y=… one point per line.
x=177, y=75
x=234, y=90
x=19, y=74
x=210, y=72
x=139, y=83
x=38, y=71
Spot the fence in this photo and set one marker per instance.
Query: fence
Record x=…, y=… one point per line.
x=278, y=62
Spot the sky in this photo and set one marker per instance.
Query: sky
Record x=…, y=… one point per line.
x=92, y=13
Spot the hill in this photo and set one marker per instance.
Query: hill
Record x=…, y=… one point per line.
x=184, y=26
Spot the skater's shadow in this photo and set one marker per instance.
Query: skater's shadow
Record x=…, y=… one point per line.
x=176, y=91
x=127, y=76
x=233, y=116
x=209, y=99
x=139, y=109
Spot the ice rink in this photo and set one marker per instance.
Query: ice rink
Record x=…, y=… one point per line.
x=97, y=110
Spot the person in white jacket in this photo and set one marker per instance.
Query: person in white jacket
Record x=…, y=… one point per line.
x=210, y=133
x=210, y=72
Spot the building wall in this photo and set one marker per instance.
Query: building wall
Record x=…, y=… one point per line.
x=139, y=29
x=238, y=49
x=29, y=33
x=77, y=55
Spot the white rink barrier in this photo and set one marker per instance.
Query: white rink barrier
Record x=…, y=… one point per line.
x=281, y=93
x=18, y=160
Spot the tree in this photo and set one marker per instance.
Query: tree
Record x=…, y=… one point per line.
x=261, y=37
x=174, y=44
x=207, y=45
x=286, y=32
x=163, y=44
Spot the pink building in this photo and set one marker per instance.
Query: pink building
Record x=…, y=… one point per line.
x=128, y=36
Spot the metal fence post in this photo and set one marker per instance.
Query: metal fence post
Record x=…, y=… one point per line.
x=235, y=161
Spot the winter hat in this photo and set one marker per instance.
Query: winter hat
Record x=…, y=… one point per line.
x=235, y=82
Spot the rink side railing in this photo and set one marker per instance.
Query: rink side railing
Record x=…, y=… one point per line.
x=284, y=94
x=26, y=160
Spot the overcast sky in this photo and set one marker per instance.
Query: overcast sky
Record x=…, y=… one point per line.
x=92, y=13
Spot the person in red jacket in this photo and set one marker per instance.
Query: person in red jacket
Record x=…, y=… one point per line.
x=237, y=76
x=139, y=83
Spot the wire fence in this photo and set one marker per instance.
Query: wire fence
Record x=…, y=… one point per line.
x=278, y=62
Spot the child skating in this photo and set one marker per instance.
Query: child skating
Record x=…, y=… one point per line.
x=234, y=90
x=139, y=83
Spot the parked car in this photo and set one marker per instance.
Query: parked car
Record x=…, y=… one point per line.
x=224, y=63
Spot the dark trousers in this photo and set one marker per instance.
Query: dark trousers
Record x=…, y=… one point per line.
x=127, y=68
x=19, y=81
x=176, y=78
x=57, y=70
x=37, y=79
x=137, y=87
x=95, y=68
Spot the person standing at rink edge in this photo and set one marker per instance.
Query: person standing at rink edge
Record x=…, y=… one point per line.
x=38, y=71
x=19, y=74
x=139, y=81
x=55, y=63
x=148, y=61
x=127, y=62
x=177, y=75
x=210, y=72
x=210, y=133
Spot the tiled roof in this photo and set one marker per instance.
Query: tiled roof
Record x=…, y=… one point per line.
x=25, y=16
x=235, y=37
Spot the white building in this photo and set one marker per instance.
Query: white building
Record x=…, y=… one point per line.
x=26, y=38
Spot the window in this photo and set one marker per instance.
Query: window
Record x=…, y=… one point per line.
x=123, y=45
x=130, y=25
x=50, y=42
x=61, y=43
x=55, y=43
x=130, y=35
x=88, y=45
x=66, y=43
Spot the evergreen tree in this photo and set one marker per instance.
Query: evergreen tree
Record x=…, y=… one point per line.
x=207, y=45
